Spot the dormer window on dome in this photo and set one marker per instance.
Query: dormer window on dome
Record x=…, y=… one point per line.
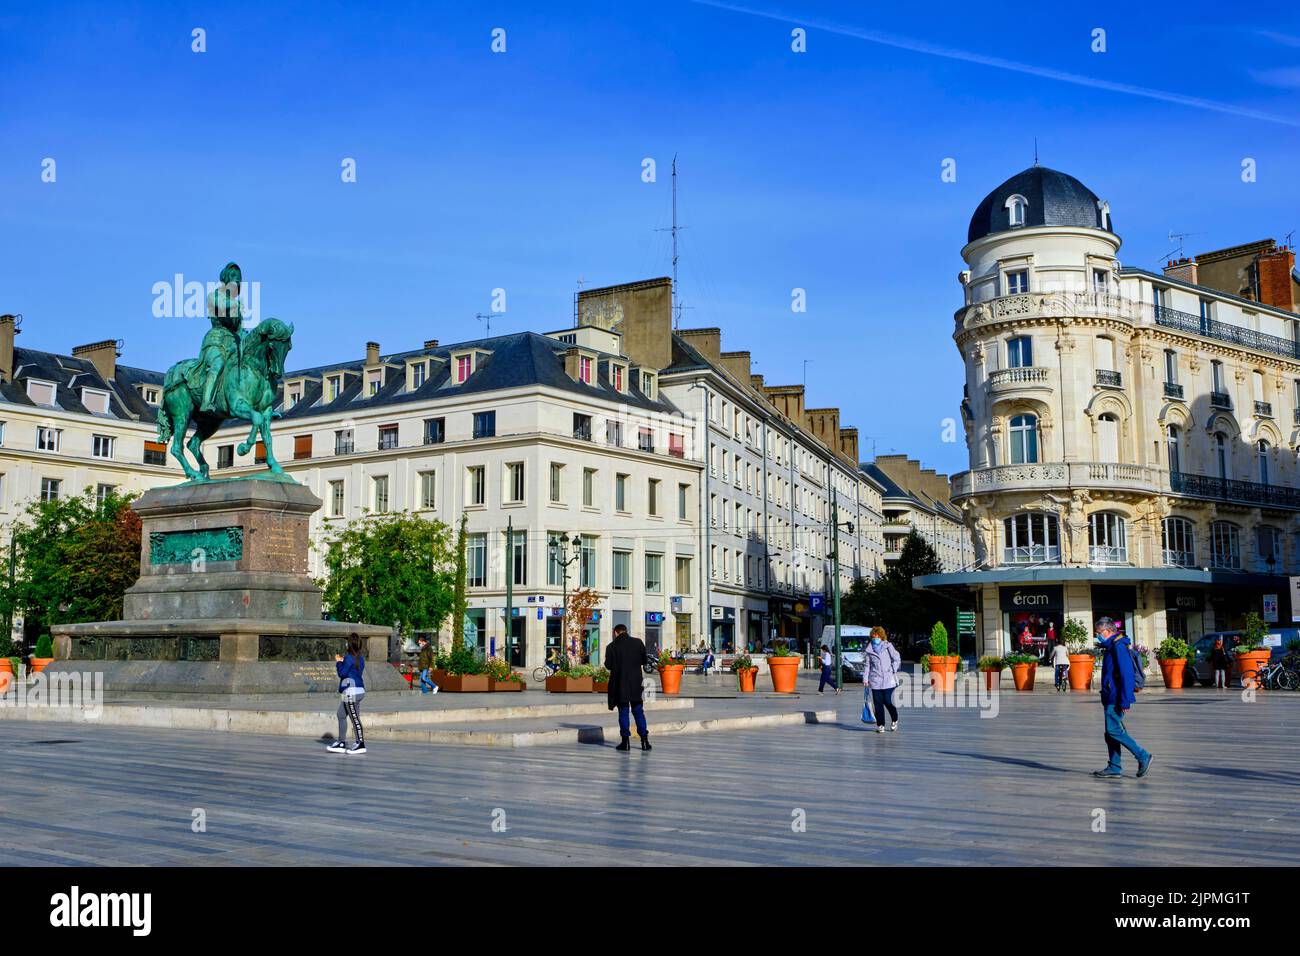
x=1016, y=206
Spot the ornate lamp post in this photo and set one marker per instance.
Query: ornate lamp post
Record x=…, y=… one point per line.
x=560, y=555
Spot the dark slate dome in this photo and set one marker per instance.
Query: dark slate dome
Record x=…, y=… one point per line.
x=1052, y=199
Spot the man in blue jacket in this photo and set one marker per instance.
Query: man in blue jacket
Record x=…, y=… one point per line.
x=1117, y=696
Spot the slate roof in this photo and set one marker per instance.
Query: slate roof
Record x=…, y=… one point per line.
x=1053, y=199
x=70, y=374
x=894, y=490
x=522, y=358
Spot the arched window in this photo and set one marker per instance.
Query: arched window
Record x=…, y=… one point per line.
x=1221, y=454
x=1225, y=545
x=1106, y=539
x=1023, y=438
x=1108, y=438
x=1171, y=440
x=1262, y=447
x=1016, y=206
x=1178, y=543
x=1031, y=538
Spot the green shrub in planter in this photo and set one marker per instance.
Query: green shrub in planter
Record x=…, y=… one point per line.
x=939, y=640
x=991, y=663
x=1172, y=649
x=1012, y=659
x=44, y=646
x=1252, y=635
x=1076, y=636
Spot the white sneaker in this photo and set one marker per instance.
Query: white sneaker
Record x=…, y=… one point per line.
x=880, y=729
x=435, y=689
x=357, y=749
x=893, y=726
x=338, y=747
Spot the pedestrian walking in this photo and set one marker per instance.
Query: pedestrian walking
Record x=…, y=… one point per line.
x=880, y=669
x=828, y=668
x=425, y=664
x=1061, y=666
x=1219, y=661
x=623, y=659
x=352, y=687
x=1118, y=691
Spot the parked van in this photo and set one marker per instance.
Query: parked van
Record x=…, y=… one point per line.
x=853, y=642
x=1276, y=639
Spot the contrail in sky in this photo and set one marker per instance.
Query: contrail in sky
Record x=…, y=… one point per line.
x=997, y=62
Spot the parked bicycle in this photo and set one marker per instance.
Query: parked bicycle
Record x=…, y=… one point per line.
x=1271, y=677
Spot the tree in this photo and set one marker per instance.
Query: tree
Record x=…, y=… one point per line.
x=458, y=601
x=74, y=559
x=577, y=616
x=891, y=602
x=855, y=603
x=394, y=570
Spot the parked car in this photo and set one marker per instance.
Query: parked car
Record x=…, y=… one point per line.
x=1278, y=638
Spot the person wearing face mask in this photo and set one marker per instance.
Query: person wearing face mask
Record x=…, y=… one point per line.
x=880, y=676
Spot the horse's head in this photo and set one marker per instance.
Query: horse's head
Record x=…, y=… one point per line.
x=270, y=342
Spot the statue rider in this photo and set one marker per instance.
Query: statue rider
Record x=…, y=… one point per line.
x=221, y=344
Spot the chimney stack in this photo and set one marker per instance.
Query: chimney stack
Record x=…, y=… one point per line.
x=103, y=355
x=430, y=343
x=9, y=327
x=1184, y=269
x=1275, y=282
x=372, y=353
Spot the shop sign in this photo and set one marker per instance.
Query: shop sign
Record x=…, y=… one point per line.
x=1270, y=608
x=654, y=617
x=1176, y=600
x=1042, y=597
x=818, y=602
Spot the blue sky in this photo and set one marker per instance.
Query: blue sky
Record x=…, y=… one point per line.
x=522, y=170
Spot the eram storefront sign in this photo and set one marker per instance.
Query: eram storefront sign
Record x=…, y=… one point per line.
x=1043, y=597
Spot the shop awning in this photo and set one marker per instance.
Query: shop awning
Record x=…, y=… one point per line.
x=1109, y=575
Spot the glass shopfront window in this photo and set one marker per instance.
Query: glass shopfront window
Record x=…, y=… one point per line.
x=1032, y=618
x=1117, y=603
x=1185, y=614
x=476, y=630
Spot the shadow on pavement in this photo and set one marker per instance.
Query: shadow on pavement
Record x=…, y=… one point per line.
x=1015, y=761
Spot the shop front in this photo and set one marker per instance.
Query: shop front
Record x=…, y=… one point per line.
x=1116, y=602
x=654, y=631
x=1185, y=613
x=723, y=631
x=1032, y=618
x=755, y=631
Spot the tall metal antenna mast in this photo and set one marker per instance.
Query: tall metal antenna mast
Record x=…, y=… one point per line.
x=677, y=300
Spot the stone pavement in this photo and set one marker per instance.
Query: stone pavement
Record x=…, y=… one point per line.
x=950, y=788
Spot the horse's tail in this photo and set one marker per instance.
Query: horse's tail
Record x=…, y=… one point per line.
x=164, y=422
x=175, y=376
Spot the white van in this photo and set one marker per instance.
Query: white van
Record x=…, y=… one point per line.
x=853, y=641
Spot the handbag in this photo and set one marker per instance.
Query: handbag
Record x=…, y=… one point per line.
x=866, y=714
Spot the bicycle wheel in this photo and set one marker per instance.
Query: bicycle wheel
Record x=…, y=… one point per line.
x=1288, y=680
x=1249, y=679
x=540, y=674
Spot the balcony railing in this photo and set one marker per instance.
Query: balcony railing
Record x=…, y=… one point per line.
x=1228, y=489
x=1214, y=329
x=1109, y=379
x=1264, y=409
x=1025, y=375
x=1178, y=559
x=1080, y=474
x=1032, y=554
x=1221, y=400
x=1105, y=554
x=1173, y=390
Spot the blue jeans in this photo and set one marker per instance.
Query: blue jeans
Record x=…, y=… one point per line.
x=426, y=684
x=1117, y=736
x=1062, y=670
x=638, y=712
x=827, y=678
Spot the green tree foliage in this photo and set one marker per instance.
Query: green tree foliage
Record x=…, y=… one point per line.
x=74, y=559
x=891, y=602
x=458, y=602
x=392, y=570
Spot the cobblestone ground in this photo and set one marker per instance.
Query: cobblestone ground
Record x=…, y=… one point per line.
x=948, y=788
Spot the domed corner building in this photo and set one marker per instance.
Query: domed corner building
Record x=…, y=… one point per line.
x=1132, y=434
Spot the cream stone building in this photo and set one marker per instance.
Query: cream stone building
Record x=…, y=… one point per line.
x=919, y=499
x=1132, y=435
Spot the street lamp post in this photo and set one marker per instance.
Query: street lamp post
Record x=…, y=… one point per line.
x=559, y=547
x=835, y=579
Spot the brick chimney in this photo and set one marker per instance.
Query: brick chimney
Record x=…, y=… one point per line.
x=103, y=355
x=1184, y=269
x=372, y=353
x=1275, y=284
x=430, y=343
x=849, y=443
x=8, y=329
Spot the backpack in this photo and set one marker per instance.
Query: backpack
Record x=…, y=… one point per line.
x=1139, y=675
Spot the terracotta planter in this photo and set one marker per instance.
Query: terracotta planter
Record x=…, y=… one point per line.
x=747, y=678
x=670, y=678
x=1023, y=675
x=437, y=675
x=507, y=686
x=569, y=685
x=1172, y=671
x=1251, y=661
x=785, y=673
x=943, y=672
x=600, y=687
x=463, y=683
x=991, y=679
x=1081, y=668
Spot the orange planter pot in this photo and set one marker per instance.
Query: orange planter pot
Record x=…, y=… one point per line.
x=992, y=679
x=1251, y=661
x=40, y=663
x=569, y=685
x=600, y=688
x=1172, y=671
x=670, y=678
x=507, y=686
x=1081, y=668
x=747, y=679
x=463, y=683
x=785, y=673
x=1023, y=675
x=943, y=672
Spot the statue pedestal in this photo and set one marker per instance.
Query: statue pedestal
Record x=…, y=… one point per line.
x=224, y=603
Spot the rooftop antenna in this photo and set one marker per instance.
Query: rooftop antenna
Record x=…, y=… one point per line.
x=1288, y=238
x=677, y=301
x=1035, y=150
x=486, y=319
x=1178, y=237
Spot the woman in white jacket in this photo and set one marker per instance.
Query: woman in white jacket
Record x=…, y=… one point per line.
x=880, y=677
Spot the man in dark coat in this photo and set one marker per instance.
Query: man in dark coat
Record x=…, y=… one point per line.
x=623, y=660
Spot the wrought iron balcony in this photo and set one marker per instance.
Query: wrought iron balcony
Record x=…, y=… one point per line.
x=1214, y=329
x=1221, y=400
x=1228, y=489
x=1264, y=409
x=1109, y=379
x=1173, y=390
